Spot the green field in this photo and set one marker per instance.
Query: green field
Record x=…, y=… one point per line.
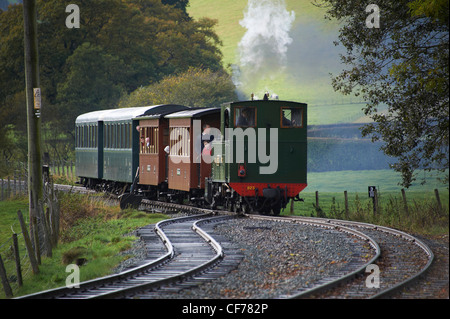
x=424, y=215
x=386, y=181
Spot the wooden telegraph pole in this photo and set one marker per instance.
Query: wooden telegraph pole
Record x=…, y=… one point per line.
x=33, y=95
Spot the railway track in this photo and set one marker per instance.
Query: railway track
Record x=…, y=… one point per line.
x=190, y=253
x=400, y=259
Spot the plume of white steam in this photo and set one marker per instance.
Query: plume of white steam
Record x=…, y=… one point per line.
x=263, y=48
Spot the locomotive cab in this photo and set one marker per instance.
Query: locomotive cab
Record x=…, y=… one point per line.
x=262, y=163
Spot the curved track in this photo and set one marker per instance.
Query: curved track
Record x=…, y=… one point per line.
x=189, y=252
x=400, y=258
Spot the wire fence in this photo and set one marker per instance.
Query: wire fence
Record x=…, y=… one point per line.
x=29, y=239
x=17, y=184
x=14, y=261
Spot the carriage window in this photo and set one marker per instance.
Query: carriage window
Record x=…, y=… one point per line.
x=77, y=136
x=122, y=135
x=149, y=140
x=245, y=117
x=179, y=141
x=105, y=136
x=226, y=118
x=127, y=135
x=91, y=136
x=115, y=136
x=85, y=137
x=130, y=135
x=120, y=138
x=291, y=117
x=108, y=136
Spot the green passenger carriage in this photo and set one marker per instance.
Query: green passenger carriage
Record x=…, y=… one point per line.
x=107, y=148
x=255, y=159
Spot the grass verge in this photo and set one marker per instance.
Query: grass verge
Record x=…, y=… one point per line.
x=92, y=231
x=422, y=215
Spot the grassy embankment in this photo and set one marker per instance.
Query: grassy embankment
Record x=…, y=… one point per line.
x=90, y=229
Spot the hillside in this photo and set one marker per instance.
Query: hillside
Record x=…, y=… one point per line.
x=309, y=60
x=310, y=57
x=5, y=3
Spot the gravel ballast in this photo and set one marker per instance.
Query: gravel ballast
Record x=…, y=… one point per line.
x=278, y=259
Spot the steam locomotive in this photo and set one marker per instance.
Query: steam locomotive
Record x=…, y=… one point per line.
x=247, y=156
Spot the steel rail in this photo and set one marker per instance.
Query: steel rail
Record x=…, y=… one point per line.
x=343, y=223
x=324, y=224
x=133, y=290
x=427, y=250
x=115, y=278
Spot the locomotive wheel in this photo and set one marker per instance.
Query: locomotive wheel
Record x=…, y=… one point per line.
x=229, y=205
x=245, y=208
x=237, y=207
x=265, y=211
x=276, y=211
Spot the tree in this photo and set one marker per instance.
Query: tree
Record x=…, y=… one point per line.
x=188, y=44
x=94, y=81
x=402, y=65
x=179, y=4
x=121, y=45
x=195, y=87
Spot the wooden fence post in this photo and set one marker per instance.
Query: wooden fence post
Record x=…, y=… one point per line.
x=56, y=213
x=375, y=202
x=4, y=277
x=317, y=199
x=438, y=199
x=17, y=258
x=8, y=188
x=37, y=245
x=14, y=185
x=46, y=231
x=346, y=204
x=31, y=254
x=405, y=203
